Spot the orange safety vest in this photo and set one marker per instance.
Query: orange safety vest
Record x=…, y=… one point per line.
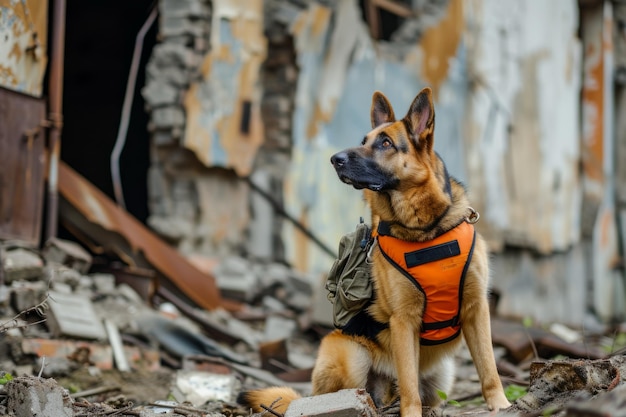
x=437, y=268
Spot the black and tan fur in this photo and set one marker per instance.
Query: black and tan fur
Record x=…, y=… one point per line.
x=406, y=184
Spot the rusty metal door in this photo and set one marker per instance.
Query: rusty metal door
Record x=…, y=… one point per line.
x=22, y=166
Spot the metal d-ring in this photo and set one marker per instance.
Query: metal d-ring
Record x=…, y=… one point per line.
x=473, y=217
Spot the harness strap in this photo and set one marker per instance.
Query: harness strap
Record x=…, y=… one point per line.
x=432, y=254
x=441, y=324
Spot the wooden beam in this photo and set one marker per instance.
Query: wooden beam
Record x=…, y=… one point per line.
x=373, y=18
x=396, y=8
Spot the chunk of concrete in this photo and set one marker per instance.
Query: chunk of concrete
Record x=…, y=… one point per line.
x=26, y=294
x=200, y=387
x=74, y=315
x=68, y=253
x=279, y=328
x=343, y=403
x=31, y=396
x=21, y=264
x=235, y=279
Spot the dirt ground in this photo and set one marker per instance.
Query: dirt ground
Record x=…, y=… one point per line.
x=139, y=387
x=121, y=389
x=558, y=387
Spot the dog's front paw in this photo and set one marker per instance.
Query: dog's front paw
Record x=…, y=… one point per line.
x=498, y=404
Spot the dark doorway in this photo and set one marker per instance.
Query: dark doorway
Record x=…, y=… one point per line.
x=100, y=40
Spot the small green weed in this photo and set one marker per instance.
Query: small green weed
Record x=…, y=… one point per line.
x=6, y=377
x=617, y=343
x=513, y=392
x=444, y=397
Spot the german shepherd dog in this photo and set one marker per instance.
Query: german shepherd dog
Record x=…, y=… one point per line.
x=408, y=189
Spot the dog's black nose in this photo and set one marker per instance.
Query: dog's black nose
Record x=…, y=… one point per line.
x=339, y=159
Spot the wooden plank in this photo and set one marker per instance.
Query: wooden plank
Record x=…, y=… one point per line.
x=394, y=7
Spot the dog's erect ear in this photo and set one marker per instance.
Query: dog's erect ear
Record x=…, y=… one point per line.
x=421, y=116
x=381, y=111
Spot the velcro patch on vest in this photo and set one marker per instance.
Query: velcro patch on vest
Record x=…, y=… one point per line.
x=432, y=254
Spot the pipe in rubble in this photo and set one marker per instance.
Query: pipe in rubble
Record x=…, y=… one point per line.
x=55, y=114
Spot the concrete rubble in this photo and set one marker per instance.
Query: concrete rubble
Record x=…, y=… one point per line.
x=77, y=342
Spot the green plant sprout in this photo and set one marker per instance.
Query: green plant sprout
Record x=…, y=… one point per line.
x=6, y=377
x=513, y=392
x=444, y=397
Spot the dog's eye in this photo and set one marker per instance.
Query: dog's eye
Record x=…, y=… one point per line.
x=387, y=143
x=363, y=141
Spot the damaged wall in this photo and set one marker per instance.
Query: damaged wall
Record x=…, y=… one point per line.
x=523, y=128
x=507, y=79
x=492, y=72
x=223, y=116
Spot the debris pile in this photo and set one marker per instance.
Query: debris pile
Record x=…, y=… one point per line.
x=76, y=341
x=70, y=334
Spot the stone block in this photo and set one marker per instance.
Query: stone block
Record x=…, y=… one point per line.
x=173, y=54
x=63, y=274
x=176, y=26
x=21, y=264
x=235, y=279
x=181, y=8
x=25, y=295
x=159, y=94
x=104, y=283
x=165, y=117
x=279, y=328
x=31, y=396
x=343, y=403
x=67, y=253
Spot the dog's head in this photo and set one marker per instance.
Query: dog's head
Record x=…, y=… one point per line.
x=394, y=153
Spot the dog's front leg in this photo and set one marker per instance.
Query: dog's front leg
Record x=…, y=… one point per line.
x=405, y=353
x=477, y=333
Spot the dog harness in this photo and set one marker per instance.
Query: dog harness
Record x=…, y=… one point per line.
x=437, y=268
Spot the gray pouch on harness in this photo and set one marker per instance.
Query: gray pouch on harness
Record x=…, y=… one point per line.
x=349, y=285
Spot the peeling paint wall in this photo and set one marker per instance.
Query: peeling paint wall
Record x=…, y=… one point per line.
x=598, y=150
x=23, y=45
x=524, y=60
x=200, y=74
x=507, y=81
x=224, y=126
x=507, y=77
x=340, y=68
x=491, y=65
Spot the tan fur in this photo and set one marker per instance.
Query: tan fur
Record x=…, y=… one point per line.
x=405, y=187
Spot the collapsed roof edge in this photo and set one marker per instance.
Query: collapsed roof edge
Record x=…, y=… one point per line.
x=99, y=209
